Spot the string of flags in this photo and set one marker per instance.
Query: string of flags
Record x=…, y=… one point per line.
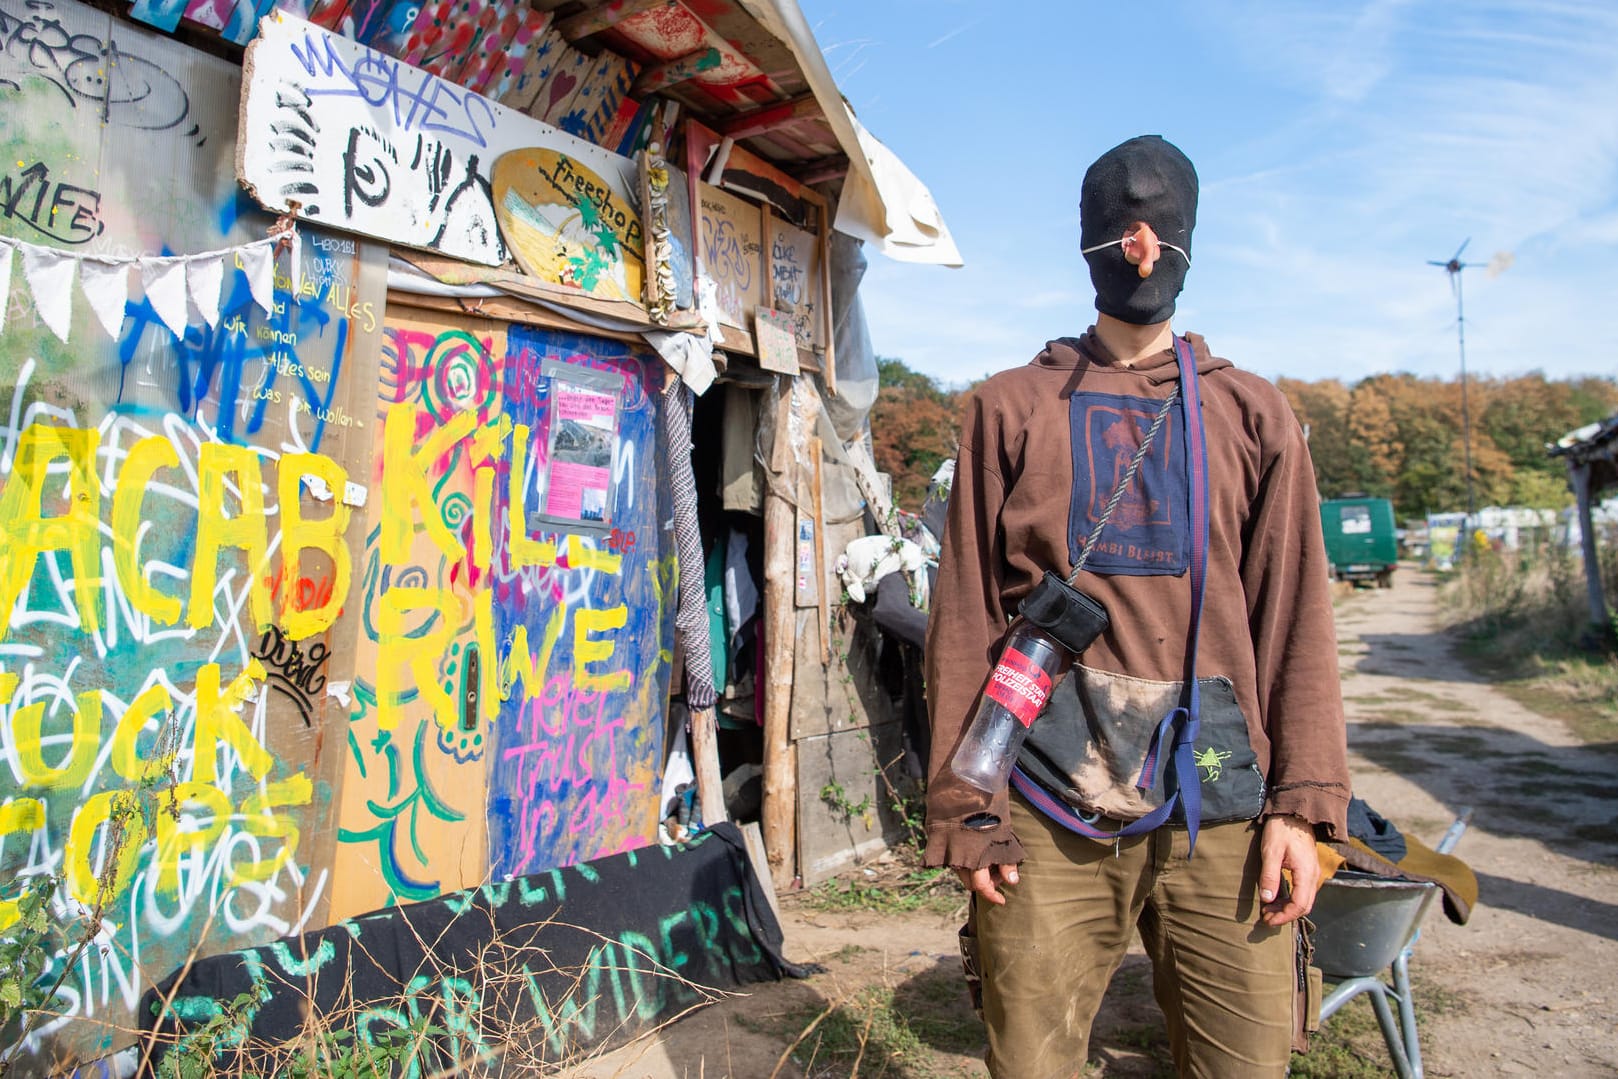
x=172, y=284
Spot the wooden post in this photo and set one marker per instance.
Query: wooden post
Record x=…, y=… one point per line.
x=828, y=324
x=820, y=555
x=780, y=640
x=705, y=758
x=1580, y=475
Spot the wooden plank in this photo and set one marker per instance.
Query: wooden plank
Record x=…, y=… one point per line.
x=454, y=272
x=828, y=333
x=522, y=88
x=780, y=642
x=318, y=133
x=746, y=173
x=760, y=121
x=601, y=101
x=871, y=488
x=819, y=171
x=837, y=774
x=604, y=17
x=753, y=836
x=506, y=309
x=796, y=284
x=823, y=587
x=662, y=76
x=729, y=230
x=705, y=761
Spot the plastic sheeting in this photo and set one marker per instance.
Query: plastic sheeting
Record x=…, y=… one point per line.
x=857, y=377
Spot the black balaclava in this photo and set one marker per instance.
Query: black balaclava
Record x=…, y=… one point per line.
x=1143, y=180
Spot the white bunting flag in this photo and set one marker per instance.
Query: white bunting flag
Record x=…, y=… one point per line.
x=50, y=277
x=295, y=263
x=164, y=280
x=258, y=263
x=203, y=279
x=106, y=286
x=6, y=251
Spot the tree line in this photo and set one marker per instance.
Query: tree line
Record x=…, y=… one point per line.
x=1392, y=436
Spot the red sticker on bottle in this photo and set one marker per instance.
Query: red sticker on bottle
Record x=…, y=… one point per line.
x=1019, y=685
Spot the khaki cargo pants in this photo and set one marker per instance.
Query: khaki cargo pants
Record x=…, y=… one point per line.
x=1225, y=981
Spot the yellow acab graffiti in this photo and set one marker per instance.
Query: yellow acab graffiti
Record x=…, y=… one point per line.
x=27, y=531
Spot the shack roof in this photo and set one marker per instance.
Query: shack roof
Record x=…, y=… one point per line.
x=752, y=71
x=1595, y=445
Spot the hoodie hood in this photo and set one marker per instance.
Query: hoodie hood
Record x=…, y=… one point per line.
x=1069, y=353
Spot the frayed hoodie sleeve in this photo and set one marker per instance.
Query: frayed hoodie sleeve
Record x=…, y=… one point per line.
x=964, y=629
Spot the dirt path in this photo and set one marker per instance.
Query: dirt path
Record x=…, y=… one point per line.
x=1534, y=974
x=1529, y=985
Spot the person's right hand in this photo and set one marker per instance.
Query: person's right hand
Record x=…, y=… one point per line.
x=986, y=881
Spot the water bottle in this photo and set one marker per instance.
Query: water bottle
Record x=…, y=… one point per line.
x=1029, y=667
x=1055, y=624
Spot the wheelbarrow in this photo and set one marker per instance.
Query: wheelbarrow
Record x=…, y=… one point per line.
x=1365, y=925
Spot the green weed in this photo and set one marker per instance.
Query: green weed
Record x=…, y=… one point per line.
x=913, y=889
x=882, y=1032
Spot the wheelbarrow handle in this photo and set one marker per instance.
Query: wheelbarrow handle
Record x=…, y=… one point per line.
x=1456, y=830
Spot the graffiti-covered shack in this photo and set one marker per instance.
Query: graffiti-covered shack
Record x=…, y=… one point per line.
x=425, y=433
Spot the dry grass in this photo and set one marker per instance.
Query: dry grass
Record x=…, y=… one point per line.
x=1524, y=620
x=414, y=1031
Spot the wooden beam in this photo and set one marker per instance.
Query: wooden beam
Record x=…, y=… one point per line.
x=870, y=486
x=831, y=167
x=655, y=80
x=828, y=327
x=605, y=17
x=705, y=759
x=821, y=588
x=780, y=642
x=760, y=121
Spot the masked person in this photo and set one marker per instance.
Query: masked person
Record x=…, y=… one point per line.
x=1138, y=804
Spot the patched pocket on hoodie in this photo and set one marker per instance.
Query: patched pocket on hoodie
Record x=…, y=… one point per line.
x=1232, y=786
x=1090, y=743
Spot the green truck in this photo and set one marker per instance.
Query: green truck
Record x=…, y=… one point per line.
x=1361, y=541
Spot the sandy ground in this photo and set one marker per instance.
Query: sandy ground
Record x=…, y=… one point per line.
x=1529, y=985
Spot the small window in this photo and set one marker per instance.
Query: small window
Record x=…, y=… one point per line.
x=1356, y=520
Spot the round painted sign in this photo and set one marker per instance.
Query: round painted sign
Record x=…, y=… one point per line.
x=564, y=224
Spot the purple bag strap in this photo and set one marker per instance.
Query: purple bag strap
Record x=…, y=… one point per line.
x=1178, y=730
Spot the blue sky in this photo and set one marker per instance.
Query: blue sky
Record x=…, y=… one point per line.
x=1339, y=145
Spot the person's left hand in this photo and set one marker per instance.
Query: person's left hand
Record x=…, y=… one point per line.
x=1287, y=843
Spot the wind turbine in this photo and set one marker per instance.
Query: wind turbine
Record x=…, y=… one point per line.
x=1453, y=267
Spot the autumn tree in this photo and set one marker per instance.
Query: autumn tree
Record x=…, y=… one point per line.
x=1322, y=409
x=1406, y=438
x=914, y=428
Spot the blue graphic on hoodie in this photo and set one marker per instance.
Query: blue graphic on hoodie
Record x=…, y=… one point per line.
x=1148, y=534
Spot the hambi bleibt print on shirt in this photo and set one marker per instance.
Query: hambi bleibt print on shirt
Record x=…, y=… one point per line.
x=1148, y=533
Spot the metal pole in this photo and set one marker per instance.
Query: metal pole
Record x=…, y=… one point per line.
x=1466, y=416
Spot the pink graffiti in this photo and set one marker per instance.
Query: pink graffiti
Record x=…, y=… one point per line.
x=446, y=373
x=570, y=755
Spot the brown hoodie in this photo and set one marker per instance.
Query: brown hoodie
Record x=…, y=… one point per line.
x=1267, y=619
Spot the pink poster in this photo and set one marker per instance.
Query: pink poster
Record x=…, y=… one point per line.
x=584, y=428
